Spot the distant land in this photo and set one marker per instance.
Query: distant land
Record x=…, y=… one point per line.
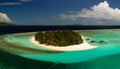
x=22, y=29
x=6, y=24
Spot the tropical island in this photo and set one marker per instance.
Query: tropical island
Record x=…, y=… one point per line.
x=59, y=38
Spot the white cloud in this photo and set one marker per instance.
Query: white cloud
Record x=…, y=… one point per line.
x=71, y=16
x=10, y=3
x=15, y=3
x=4, y=18
x=25, y=0
x=102, y=11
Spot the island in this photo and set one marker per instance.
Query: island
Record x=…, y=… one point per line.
x=59, y=38
x=68, y=40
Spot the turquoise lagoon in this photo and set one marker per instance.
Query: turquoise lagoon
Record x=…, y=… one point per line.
x=105, y=56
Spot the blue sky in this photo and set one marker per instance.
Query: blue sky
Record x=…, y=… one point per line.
x=60, y=12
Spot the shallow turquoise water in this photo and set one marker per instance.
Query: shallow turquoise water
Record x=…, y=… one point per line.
x=112, y=46
x=22, y=41
x=102, y=57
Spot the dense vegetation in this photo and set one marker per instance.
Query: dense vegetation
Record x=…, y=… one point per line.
x=59, y=38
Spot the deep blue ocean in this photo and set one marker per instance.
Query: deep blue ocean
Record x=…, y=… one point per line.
x=21, y=29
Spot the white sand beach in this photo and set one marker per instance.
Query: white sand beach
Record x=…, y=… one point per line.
x=83, y=46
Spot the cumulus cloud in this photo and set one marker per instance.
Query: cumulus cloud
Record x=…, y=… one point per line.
x=102, y=12
x=4, y=18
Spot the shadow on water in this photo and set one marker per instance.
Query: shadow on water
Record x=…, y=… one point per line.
x=108, y=62
x=10, y=61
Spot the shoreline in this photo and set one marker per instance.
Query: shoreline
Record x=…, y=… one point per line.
x=82, y=46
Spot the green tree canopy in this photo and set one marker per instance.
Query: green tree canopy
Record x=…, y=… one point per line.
x=59, y=38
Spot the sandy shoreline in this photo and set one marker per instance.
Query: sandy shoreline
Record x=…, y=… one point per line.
x=83, y=46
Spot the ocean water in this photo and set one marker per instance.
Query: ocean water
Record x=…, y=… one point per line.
x=16, y=55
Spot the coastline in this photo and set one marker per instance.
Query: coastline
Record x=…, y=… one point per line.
x=82, y=46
